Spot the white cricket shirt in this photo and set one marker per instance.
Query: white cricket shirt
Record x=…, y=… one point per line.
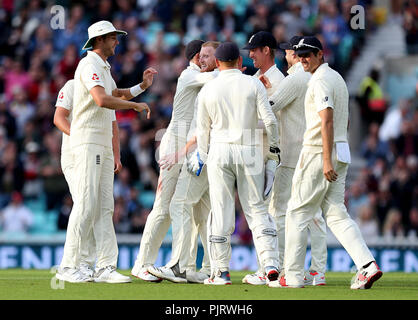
x=229, y=108
x=189, y=84
x=91, y=123
x=65, y=100
x=326, y=88
x=289, y=109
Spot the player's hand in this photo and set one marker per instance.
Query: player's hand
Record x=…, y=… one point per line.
x=266, y=82
x=168, y=161
x=194, y=163
x=329, y=172
x=147, y=78
x=270, y=172
x=141, y=106
x=274, y=154
x=118, y=166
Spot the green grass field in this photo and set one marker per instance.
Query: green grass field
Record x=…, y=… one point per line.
x=19, y=284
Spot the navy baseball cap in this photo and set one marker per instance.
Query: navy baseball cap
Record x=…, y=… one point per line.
x=292, y=42
x=192, y=48
x=308, y=44
x=227, y=51
x=261, y=39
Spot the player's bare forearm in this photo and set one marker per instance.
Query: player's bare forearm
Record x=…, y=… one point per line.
x=116, y=146
x=104, y=100
x=124, y=94
x=61, y=120
x=327, y=134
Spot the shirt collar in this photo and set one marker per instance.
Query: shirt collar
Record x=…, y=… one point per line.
x=98, y=60
x=229, y=71
x=296, y=67
x=269, y=71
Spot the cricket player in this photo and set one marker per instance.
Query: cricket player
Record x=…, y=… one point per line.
x=95, y=97
x=288, y=105
x=228, y=110
x=62, y=120
x=319, y=178
x=190, y=205
x=262, y=46
x=158, y=222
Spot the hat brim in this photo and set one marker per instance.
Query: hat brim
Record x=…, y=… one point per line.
x=88, y=44
x=250, y=46
x=304, y=50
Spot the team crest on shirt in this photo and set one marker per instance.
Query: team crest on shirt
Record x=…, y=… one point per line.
x=61, y=96
x=95, y=76
x=325, y=99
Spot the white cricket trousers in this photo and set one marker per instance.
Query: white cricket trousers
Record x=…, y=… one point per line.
x=278, y=206
x=189, y=210
x=229, y=164
x=92, y=187
x=312, y=192
x=88, y=249
x=158, y=221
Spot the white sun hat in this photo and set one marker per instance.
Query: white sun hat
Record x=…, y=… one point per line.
x=98, y=29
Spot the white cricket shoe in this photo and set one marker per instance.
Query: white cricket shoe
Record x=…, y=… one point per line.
x=256, y=279
x=365, y=277
x=72, y=275
x=281, y=283
x=196, y=277
x=167, y=274
x=143, y=274
x=313, y=278
x=222, y=278
x=110, y=275
x=87, y=270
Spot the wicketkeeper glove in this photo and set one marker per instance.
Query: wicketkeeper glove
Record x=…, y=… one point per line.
x=270, y=172
x=194, y=163
x=274, y=154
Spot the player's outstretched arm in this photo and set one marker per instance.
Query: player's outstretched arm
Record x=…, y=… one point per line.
x=168, y=161
x=104, y=100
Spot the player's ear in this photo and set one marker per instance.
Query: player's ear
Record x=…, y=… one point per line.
x=217, y=63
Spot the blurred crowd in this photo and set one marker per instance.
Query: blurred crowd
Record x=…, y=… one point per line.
x=37, y=57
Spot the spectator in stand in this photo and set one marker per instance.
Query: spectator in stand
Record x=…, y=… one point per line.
x=410, y=24
x=21, y=109
x=391, y=126
x=367, y=222
x=357, y=198
x=7, y=121
x=11, y=173
x=16, y=217
x=402, y=188
x=32, y=167
x=371, y=98
x=335, y=32
x=122, y=185
x=372, y=148
x=393, y=226
x=55, y=185
x=412, y=227
x=68, y=63
x=407, y=143
x=200, y=23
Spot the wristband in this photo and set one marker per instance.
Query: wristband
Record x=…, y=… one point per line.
x=136, y=90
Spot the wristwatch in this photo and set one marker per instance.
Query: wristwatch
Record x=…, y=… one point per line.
x=274, y=150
